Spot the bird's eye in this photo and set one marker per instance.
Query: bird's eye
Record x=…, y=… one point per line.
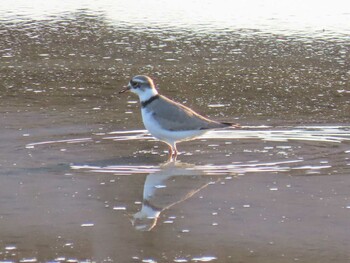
x=134, y=84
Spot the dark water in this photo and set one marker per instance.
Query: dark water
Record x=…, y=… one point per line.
x=82, y=182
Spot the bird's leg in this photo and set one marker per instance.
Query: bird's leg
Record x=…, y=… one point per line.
x=172, y=152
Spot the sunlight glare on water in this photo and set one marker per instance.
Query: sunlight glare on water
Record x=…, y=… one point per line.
x=269, y=15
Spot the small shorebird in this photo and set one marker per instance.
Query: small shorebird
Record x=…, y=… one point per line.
x=167, y=120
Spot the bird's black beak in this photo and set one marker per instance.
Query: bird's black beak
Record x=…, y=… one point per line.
x=125, y=89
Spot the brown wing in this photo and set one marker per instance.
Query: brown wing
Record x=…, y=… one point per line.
x=175, y=116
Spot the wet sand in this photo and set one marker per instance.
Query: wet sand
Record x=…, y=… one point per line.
x=70, y=187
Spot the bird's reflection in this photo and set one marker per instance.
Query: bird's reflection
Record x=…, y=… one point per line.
x=173, y=183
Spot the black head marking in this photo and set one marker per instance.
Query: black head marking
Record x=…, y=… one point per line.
x=141, y=81
x=134, y=84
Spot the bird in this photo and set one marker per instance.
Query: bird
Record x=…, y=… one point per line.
x=167, y=120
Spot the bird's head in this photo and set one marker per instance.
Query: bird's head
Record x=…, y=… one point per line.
x=141, y=85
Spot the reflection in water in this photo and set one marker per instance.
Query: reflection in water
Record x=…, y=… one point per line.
x=174, y=182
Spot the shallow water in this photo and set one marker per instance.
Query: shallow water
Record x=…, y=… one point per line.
x=81, y=181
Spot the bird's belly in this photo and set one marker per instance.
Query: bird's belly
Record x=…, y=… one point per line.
x=167, y=135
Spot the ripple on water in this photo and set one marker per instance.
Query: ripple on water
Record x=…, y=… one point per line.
x=204, y=259
x=207, y=169
x=312, y=134
x=334, y=134
x=10, y=247
x=28, y=260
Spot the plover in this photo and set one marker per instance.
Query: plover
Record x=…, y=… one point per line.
x=167, y=120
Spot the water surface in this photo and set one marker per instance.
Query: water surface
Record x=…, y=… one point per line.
x=81, y=181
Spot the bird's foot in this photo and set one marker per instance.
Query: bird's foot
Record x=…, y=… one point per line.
x=172, y=155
